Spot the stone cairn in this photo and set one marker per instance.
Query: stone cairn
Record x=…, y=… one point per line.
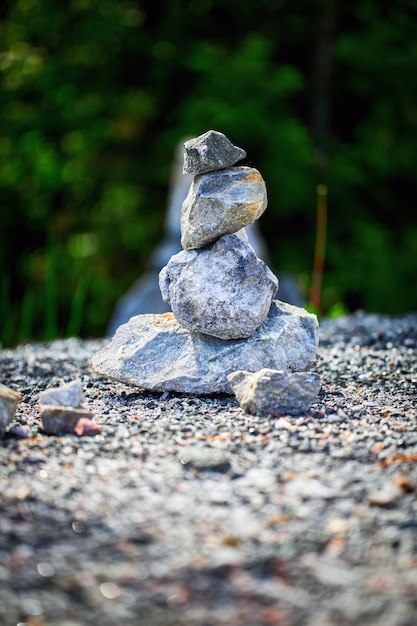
x=217, y=285
x=224, y=317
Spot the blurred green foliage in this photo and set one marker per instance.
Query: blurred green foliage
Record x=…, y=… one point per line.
x=96, y=94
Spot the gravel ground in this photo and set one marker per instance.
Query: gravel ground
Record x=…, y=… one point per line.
x=187, y=511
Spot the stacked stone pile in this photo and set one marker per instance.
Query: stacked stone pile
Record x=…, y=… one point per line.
x=224, y=316
x=217, y=285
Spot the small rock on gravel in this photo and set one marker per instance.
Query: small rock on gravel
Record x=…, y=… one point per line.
x=70, y=394
x=224, y=290
x=388, y=493
x=205, y=458
x=62, y=411
x=221, y=203
x=275, y=392
x=63, y=419
x=9, y=400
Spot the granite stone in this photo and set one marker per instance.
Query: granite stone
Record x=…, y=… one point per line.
x=62, y=411
x=221, y=203
x=223, y=290
x=210, y=151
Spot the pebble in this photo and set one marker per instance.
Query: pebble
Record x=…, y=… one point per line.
x=9, y=400
x=69, y=394
x=307, y=488
x=387, y=494
x=275, y=392
x=204, y=458
x=86, y=426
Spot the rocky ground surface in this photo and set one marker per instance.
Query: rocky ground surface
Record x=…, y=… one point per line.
x=187, y=511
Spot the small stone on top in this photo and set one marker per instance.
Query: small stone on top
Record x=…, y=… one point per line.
x=209, y=152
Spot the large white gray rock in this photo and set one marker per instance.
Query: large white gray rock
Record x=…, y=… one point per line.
x=223, y=290
x=155, y=352
x=275, y=392
x=9, y=399
x=210, y=151
x=221, y=203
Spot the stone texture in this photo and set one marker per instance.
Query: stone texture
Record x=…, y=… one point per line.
x=223, y=290
x=9, y=400
x=61, y=410
x=155, y=352
x=271, y=391
x=70, y=394
x=210, y=151
x=221, y=203
x=63, y=419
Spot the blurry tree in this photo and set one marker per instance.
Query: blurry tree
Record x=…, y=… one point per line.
x=95, y=95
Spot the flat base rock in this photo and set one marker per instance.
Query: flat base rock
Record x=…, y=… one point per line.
x=155, y=352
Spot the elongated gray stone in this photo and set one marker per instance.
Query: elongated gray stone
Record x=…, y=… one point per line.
x=224, y=290
x=205, y=458
x=271, y=391
x=9, y=399
x=221, y=203
x=155, y=352
x=210, y=151
x=62, y=419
